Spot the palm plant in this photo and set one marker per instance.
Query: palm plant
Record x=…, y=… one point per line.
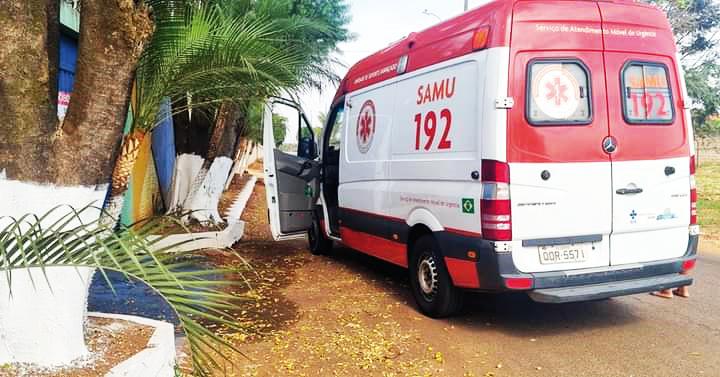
x=64, y=237
x=202, y=50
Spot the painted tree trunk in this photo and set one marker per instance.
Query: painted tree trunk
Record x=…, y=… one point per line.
x=191, y=145
x=242, y=146
x=241, y=154
x=187, y=167
x=129, y=151
x=44, y=164
x=209, y=183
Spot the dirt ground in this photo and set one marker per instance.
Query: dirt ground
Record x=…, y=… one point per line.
x=351, y=315
x=324, y=315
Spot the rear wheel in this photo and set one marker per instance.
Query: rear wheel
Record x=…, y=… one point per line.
x=430, y=281
x=318, y=243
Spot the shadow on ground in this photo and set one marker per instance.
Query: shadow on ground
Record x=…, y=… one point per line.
x=514, y=313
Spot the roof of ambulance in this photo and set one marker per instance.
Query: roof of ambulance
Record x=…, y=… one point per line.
x=444, y=44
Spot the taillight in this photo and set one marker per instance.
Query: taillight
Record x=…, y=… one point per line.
x=495, y=218
x=519, y=283
x=688, y=265
x=693, y=193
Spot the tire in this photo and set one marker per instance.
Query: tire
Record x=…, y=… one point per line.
x=318, y=243
x=430, y=281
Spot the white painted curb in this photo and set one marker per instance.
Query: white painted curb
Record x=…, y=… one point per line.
x=156, y=360
x=206, y=240
x=236, y=210
x=214, y=240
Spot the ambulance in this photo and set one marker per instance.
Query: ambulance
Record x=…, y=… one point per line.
x=536, y=146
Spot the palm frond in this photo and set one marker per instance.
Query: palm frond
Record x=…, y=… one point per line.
x=244, y=53
x=64, y=237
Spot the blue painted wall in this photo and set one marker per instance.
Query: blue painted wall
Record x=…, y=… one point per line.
x=66, y=74
x=163, y=149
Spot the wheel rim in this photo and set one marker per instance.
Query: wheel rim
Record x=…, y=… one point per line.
x=427, y=277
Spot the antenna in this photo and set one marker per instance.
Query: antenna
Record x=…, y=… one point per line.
x=428, y=13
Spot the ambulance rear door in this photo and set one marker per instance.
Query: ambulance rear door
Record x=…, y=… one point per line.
x=560, y=176
x=651, y=160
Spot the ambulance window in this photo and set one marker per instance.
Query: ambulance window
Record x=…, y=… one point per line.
x=647, y=97
x=337, y=126
x=558, y=93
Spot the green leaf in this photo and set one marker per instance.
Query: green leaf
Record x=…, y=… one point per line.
x=36, y=242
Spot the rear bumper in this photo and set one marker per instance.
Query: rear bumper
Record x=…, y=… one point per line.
x=606, y=290
x=491, y=271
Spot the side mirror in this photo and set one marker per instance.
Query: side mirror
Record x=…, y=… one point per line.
x=307, y=148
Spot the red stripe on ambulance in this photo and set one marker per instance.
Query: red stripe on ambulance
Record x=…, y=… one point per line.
x=389, y=251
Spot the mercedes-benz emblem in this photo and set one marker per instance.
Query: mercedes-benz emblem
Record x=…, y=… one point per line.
x=609, y=144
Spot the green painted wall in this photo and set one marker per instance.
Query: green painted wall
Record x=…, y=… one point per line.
x=69, y=16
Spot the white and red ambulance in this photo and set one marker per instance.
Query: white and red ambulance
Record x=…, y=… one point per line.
x=527, y=145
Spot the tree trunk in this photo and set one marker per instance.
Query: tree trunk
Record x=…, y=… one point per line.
x=191, y=133
x=240, y=159
x=242, y=146
x=191, y=145
x=112, y=33
x=208, y=185
x=44, y=164
x=129, y=151
x=28, y=87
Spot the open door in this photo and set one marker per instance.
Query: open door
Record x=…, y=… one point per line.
x=291, y=176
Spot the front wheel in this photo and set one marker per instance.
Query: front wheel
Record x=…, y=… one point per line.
x=430, y=281
x=318, y=243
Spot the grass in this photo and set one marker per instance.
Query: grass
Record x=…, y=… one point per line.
x=708, y=182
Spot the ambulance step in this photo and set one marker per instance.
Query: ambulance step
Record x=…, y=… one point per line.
x=606, y=290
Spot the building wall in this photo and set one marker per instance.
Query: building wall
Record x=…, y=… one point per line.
x=70, y=22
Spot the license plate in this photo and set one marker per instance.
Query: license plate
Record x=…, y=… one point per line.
x=574, y=253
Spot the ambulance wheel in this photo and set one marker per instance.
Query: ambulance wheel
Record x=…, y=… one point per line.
x=317, y=241
x=430, y=282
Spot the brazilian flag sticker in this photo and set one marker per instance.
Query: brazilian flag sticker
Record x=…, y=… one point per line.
x=468, y=205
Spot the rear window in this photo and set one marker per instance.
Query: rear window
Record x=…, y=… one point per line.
x=558, y=93
x=647, y=97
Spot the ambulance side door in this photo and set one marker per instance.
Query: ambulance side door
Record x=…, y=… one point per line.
x=291, y=179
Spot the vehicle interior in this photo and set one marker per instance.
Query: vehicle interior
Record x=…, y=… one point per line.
x=332, y=143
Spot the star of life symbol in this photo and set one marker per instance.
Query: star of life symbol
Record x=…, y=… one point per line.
x=556, y=92
x=366, y=126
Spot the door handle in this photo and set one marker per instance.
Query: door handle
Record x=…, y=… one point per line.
x=305, y=166
x=629, y=191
